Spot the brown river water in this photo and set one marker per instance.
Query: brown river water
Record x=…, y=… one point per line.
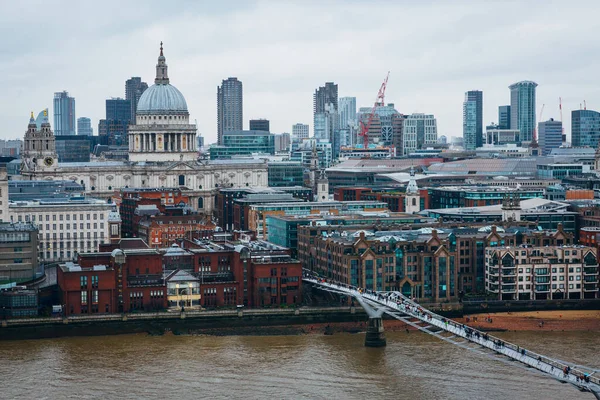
x=412, y=366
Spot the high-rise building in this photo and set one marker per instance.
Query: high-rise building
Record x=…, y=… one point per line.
x=134, y=88
x=522, y=108
x=327, y=128
x=300, y=131
x=504, y=117
x=84, y=126
x=419, y=131
x=324, y=96
x=118, y=109
x=230, y=107
x=549, y=135
x=64, y=114
x=260, y=125
x=115, y=127
x=473, y=119
x=347, y=112
x=386, y=126
x=585, y=128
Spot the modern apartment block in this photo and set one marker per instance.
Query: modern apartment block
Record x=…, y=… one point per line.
x=542, y=273
x=230, y=107
x=522, y=108
x=64, y=114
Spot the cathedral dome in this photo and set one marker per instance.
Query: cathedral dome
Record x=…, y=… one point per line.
x=162, y=99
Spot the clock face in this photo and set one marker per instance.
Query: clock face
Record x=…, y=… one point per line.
x=48, y=161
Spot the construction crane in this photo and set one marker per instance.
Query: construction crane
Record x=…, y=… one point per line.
x=380, y=100
x=561, y=120
x=534, y=137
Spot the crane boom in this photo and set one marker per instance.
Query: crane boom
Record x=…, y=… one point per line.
x=561, y=119
x=380, y=100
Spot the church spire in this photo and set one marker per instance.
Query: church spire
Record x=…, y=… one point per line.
x=162, y=77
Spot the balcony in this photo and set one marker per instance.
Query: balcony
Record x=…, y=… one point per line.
x=493, y=271
x=590, y=279
x=508, y=281
x=590, y=287
x=590, y=270
x=542, y=288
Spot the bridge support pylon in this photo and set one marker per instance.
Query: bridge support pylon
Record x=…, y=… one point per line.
x=375, y=335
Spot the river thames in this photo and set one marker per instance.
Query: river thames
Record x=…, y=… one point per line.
x=413, y=365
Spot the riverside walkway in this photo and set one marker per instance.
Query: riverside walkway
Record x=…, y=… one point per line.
x=402, y=308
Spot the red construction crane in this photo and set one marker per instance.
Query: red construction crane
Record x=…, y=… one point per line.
x=380, y=100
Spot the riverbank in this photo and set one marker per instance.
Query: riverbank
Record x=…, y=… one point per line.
x=560, y=320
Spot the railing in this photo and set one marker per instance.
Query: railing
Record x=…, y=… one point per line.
x=396, y=302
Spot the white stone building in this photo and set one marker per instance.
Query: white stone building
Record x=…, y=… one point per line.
x=162, y=153
x=68, y=226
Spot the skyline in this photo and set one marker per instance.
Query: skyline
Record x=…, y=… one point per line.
x=281, y=64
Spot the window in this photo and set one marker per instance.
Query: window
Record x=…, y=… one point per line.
x=84, y=297
x=83, y=282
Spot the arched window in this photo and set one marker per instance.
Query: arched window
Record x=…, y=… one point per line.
x=181, y=180
x=414, y=201
x=200, y=203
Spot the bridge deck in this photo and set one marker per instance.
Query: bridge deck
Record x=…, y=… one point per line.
x=400, y=307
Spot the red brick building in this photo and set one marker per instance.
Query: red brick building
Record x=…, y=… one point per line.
x=391, y=196
x=168, y=201
x=131, y=276
x=163, y=230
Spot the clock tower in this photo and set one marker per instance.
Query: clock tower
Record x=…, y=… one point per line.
x=39, y=146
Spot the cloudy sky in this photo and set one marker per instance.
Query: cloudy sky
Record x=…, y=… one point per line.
x=283, y=50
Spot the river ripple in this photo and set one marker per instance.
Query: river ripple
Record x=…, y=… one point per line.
x=413, y=365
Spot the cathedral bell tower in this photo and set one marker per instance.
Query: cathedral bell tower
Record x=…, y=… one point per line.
x=412, y=198
x=39, y=146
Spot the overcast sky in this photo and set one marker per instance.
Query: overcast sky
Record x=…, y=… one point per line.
x=283, y=50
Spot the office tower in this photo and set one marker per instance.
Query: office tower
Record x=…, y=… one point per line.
x=116, y=125
x=419, y=131
x=260, y=125
x=522, y=108
x=230, y=107
x=324, y=96
x=327, y=128
x=347, y=112
x=473, y=119
x=504, y=117
x=300, y=131
x=585, y=128
x=118, y=109
x=64, y=114
x=386, y=126
x=282, y=142
x=134, y=88
x=84, y=126
x=549, y=135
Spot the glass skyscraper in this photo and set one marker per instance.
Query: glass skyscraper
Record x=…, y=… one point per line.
x=522, y=108
x=504, y=117
x=64, y=114
x=585, y=128
x=473, y=119
x=84, y=126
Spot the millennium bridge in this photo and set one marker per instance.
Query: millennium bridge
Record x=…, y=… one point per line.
x=400, y=307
